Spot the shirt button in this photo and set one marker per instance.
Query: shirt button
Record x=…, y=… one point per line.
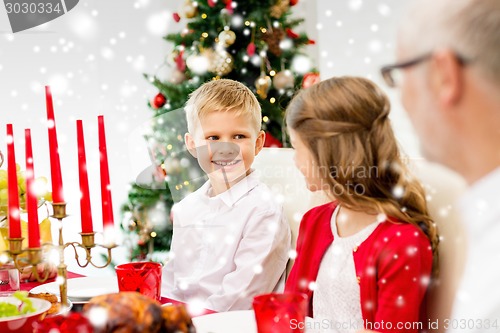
x=358, y=278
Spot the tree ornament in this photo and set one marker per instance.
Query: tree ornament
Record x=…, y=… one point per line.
x=128, y=222
x=271, y=141
x=293, y=2
x=290, y=33
x=176, y=76
x=158, y=216
x=310, y=79
x=229, y=6
x=251, y=49
x=273, y=38
x=199, y=63
x=251, y=46
x=158, y=101
x=179, y=61
x=189, y=10
x=280, y=8
x=222, y=63
x=283, y=80
x=176, y=17
x=211, y=3
x=263, y=84
x=227, y=37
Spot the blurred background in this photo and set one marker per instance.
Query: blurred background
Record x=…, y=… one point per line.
x=94, y=58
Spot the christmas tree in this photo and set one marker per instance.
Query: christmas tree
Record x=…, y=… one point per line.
x=251, y=41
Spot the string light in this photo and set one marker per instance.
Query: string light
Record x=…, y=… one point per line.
x=272, y=72
x=204, y=16
x=272, y=100
x=204, y=35
x=265, y=119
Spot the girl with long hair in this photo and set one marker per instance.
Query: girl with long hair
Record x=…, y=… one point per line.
x=365, y=258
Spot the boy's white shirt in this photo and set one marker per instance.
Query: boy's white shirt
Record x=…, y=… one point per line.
x=227, y=248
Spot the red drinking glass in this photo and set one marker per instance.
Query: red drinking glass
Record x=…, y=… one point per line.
x=280, y=313
x=143, y=277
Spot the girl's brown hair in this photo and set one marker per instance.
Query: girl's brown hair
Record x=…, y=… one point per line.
x=344, y=123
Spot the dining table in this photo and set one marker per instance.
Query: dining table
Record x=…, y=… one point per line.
x=28, y=285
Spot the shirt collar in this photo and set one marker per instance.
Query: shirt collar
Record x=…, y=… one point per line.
x=480, y=203
x=236, y=192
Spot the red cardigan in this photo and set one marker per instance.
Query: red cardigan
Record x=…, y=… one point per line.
x=393, y=266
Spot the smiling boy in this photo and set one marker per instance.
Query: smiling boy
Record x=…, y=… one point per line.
x=231, y=239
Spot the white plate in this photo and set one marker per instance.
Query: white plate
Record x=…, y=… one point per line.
x=226, y=322
x=80, y=290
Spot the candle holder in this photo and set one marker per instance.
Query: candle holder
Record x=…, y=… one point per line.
x=35, y=256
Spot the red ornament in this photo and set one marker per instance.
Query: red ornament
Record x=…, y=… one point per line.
x=271, y=141
x=179, y=62
x=293, y=2
x=176, y=16
x=158, y=101
x=291, y=34
x=229, y=6
x=211, y=3
x=310, y=79
x=251, y=49
x=311, y=42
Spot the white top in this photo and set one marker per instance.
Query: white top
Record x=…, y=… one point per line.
x=337, y=300
x=478, y=297
x=227, y=248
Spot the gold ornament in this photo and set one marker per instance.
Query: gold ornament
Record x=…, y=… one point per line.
x=283, y=80
x=222, y=63
x=280, y=8
x=227, y=37
x=263, y=84
x=189, y=10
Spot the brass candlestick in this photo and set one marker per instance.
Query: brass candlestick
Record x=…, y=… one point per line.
x=35, y=255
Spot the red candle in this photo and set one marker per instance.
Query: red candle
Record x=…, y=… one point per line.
x=55, y=165
x=85, y=211
x=33, y=226
x=13, y=201
x=107, y=206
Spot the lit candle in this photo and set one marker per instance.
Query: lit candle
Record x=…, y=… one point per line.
x=55, y=165
x=85, y=211
x=107, y=206
x=33, y=226
x=13, y=201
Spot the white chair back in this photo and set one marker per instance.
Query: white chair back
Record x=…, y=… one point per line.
x=277, y=170
x=443, y=188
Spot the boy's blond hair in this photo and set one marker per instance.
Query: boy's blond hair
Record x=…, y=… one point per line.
x=222, y=95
